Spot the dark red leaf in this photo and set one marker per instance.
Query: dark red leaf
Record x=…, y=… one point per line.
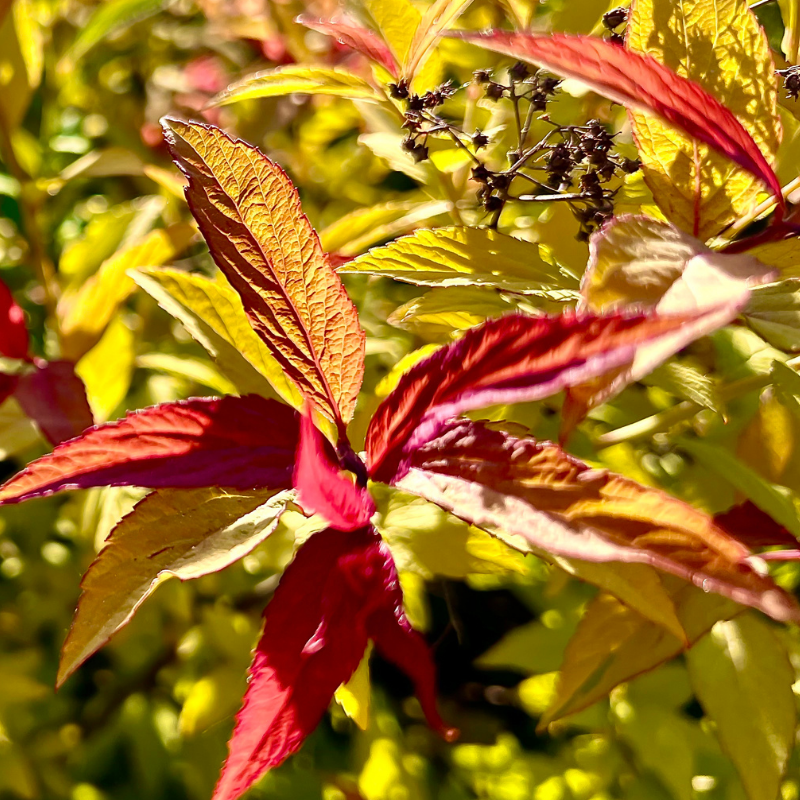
x=322, y=486
x=640, y=82
x=54, y=397
x=752, y=527
x=340, y=591
x=13, y=332
x=508, y=360
x=357, y=38
x=237, y=442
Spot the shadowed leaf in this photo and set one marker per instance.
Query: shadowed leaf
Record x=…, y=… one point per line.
x=250, y=215
x=171, y=533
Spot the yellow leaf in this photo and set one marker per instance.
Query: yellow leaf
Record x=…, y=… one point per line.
x=85, y=312
x=212, y=313
x=720, y=45
x=354, y=695
x=106, y=370
x=355, y=232
x=180, y=533
x=439, y=16
x=17, y=432
x=195, y=370
x=21, y=61
x=463, y=257
x=398, y=22
x=389, y=381
x=251, y=217
x=790, y=10
x=300, y=79
x=213, y=699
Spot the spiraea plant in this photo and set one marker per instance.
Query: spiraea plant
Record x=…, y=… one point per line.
x=300, y=432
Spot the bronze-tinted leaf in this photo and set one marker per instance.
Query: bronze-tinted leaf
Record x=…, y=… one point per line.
x=250, y=215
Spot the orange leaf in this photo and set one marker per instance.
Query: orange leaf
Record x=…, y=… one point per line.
x=250, y=215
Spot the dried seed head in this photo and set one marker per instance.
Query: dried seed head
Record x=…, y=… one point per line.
x=479, y=139
x=482, y=75
x=616, y=17
x=518, y=72
x=399, y=90
x=494, y=91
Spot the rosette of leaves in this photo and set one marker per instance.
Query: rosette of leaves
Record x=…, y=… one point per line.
x=224, y=469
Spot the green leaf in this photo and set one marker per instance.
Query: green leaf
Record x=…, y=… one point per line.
x=613, y=644
x=777, y=501
x=774, y=313
x=212, y=313
x=17, y=431
x=742, y=676
x=463, y=257
x=180, y=533
x=688, y=382
x=108, y=18
x=21, y=62
x=299, y=79
x=191, y=369
x=787, y=385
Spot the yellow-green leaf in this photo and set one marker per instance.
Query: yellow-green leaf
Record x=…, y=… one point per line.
x=17, y=431
x=297, y=79
x=613, y=644
x=790, y=10
x=195, y=370
x=742, y=676
x=212, y=312
x=438, y=17
x=85, y=312
x=720, y=45
x=463, y=257
x=180, y=533
x=774, y=312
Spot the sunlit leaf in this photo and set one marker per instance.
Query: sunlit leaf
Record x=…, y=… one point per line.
x=559, y=505
x=643, y=84
x=238, y=442
x=250, y=215
x=212, y=313
x=354, y=696
x=86, y=312
x=742, y=676
x=323, y=488
x=719, y=44
x=517, y=358
x=790, y=10
x=462, y=257
x=438, y=17
x=300, y=79
x=171, y=533
x=106, y=370
x=194, y=370
x=355, y=232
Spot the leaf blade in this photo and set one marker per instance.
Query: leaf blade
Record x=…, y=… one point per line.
x=250, y=214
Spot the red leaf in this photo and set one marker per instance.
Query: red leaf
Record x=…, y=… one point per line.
x=340, y=590
x=237, y=442
x=322, y=486
x=752, y=527
x=54, y=397
x=357, y=38
x=640, y=82
x=13, y=333
x=559, y=505
x=508, y=360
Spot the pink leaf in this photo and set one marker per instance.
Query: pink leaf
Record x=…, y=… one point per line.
x=559, y=505
x=340, y=591
x=356, y=37
x=237, y=442
x=54, y=397
x=639, y=82
x=508, y=360
x=322, y=486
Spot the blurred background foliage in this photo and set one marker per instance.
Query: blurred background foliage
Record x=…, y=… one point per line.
x=85, y=177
